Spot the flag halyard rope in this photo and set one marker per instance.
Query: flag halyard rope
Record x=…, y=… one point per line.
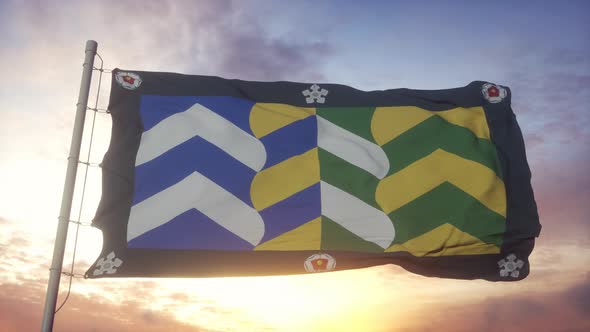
x=95, y=110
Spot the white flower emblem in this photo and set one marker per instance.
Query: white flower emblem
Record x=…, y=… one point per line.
x=127, y=80
x=319, y=263
x=493, y=93
x=107, y=265
x=510, y=266
x=315, y=94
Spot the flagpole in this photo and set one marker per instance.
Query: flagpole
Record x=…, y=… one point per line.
x=68, y=191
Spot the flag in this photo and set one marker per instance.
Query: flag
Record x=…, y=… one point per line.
x=208, y=177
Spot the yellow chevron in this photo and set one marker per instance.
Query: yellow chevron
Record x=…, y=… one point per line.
x=473, y=118
x=429, y=172
x=390, y=122
x=267, y=117
x=305, y=237
x=282, y=180
x=445, y=240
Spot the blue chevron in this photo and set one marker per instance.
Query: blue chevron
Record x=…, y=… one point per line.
x=190, y=230
x=156, y=108
x=294, y=139
x=291, y=212
x=195, y=154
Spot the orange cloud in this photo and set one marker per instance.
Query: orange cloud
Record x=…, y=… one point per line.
x=566, y=310
x=21, y=308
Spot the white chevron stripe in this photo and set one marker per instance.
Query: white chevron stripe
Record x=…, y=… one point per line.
x=352, y=148
x=199, y=120
x=196, y=191
x=356, y=216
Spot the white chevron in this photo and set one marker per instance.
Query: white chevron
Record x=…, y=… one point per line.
x=356, y=216
x=201, y=121
x=198, y=192
x=352, y=148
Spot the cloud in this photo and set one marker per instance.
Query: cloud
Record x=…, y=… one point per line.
x=251, y=57
x=41, y=60
x=565, y=310
x=19, y=261
x=221, y=38
x=561, y=191
x=549, y=86
x=21, y=309
x=214, y=37
x=579, y=297
x=553, y=310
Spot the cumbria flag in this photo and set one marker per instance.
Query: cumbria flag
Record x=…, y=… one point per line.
x=209, y=177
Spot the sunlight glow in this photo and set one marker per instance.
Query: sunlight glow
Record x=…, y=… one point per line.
x=340, y=301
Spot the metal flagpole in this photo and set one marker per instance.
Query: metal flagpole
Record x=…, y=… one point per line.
x=68, y=192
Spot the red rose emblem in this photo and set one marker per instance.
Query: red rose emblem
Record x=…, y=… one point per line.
x=320, y=264
x=493, y=91
x=129, y=79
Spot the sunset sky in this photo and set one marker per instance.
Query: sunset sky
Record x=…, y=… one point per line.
x=540, y=49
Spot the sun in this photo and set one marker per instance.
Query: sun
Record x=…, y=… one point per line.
x=335, y=301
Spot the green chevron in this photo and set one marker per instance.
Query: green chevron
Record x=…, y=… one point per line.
x=354, y=119
x=348, y=177
x=336, y=237
x=447, y=204
x=435, y=133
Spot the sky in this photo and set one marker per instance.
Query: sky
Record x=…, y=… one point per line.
x=540, y=49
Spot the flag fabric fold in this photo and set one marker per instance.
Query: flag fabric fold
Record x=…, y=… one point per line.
x=209, y=177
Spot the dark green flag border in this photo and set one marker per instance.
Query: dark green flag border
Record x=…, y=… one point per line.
x=119, y=164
